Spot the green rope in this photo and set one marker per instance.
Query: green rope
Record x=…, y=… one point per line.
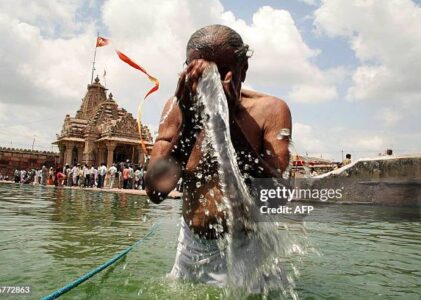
x=95, y=271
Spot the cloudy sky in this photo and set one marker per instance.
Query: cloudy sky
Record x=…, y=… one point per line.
x=349, y=70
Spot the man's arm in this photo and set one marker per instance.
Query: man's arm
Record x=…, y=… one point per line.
x=176, y=137
x=274, y=156
x=158, y=179
x=277, y=134
x=171, y=151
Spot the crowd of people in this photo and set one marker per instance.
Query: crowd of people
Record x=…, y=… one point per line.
x=123, y=175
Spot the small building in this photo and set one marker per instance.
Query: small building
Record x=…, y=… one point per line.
x=101, y=132
x=318, y=164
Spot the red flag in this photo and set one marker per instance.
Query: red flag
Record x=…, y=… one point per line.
x=130, y=62
x=127, y=60
x=155, y=87
x=101, y=42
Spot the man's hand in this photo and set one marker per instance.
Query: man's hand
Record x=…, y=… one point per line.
x=187, y=86
x=189, y=79
x=163, y=176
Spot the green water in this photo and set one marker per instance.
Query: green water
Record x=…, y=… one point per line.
x=49, y=237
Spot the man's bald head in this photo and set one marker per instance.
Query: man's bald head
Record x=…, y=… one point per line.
x=212, y=41
x=223, y=46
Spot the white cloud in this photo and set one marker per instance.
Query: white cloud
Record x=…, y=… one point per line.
x=365, y=143
x=386, y=38
x=389, y=116
x=43, y=78
x=51, y=17
x=18, y=136
x=305, y=140
x=312, y=93
x=282, y=58
x=320, y=91
x=46, y=54
x=37, y=70
x=155, y=35
x=46, y=48
x=329, y=143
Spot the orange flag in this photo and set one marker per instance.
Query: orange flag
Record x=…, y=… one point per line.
x=101, y=42
x=130, y=62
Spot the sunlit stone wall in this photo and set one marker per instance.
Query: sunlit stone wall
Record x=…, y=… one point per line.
x=11, y=159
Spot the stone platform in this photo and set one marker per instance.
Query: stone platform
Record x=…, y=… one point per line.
x=385, y=180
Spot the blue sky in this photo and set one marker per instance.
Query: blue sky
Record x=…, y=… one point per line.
x=333, y=52
x=348, y=70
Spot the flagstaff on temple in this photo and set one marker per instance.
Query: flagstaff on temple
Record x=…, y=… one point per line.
x=102, y=132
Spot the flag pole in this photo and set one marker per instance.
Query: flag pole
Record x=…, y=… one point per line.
x=93, y=63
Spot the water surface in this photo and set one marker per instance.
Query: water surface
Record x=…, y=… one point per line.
x=50, y=236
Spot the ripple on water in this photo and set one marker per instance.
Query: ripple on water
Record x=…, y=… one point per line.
x=49, y=237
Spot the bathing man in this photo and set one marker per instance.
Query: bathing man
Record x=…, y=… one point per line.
x=260, y=128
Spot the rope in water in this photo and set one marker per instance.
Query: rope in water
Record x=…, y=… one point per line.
x=90, y=274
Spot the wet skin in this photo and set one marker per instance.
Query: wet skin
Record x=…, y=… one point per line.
x=255, y=122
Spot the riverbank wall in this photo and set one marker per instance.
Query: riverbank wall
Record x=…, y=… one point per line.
x=386, y=180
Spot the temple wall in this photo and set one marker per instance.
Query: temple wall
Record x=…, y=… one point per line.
x=11, y=159
x=390, y=180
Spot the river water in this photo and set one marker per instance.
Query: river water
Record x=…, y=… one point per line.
x=49, y=237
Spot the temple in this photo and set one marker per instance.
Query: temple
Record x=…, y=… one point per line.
x=102, y=132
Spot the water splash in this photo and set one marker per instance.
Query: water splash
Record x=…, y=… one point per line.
x=255, y=250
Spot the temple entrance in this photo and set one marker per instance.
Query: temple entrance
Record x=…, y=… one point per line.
x=74, y=156
x=122, y=153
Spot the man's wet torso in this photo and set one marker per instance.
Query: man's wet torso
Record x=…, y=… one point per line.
x=203, y=208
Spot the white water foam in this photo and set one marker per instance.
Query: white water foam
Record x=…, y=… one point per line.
x=255, y=249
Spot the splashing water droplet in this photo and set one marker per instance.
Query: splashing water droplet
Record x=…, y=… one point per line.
x=283, y=134
x=262, y=235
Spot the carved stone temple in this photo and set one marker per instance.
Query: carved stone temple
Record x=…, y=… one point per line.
x=101, y=132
